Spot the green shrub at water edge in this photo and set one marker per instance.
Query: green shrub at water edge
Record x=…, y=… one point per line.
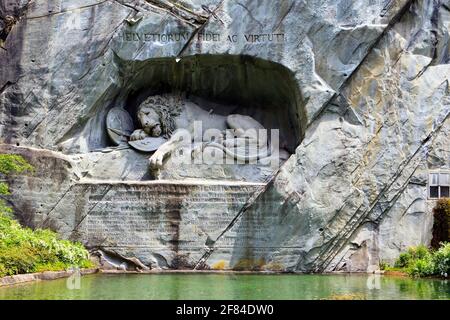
x=423, y=262
x=23, y=250
x=413, y=254
x=421, y=268
x=441, y=260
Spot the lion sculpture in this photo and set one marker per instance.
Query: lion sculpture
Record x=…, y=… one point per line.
x=169, y=117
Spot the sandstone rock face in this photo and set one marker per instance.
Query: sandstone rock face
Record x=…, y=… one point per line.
x=359, y=88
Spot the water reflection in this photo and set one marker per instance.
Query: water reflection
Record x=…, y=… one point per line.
x=229, y=286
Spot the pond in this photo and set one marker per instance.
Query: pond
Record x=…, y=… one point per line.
x=231, y=286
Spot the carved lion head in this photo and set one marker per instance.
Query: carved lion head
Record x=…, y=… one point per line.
x=157, y=115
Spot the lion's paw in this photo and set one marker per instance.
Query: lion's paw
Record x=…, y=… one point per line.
x=156, y=160
x=138, y=135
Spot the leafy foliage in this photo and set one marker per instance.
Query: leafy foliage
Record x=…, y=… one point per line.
x=4, y=188
x=441, y=260
x=423, y=262
x=13, y=163
x=23, y=250
x=421, y=268
x=413, y=254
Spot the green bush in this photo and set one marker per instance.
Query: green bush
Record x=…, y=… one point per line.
x=441, y=260
x=413, y=254
x=13, y=163
x=384, y=265
x=421, y=268
x=23, y=250
x=423, y=262
x=18, y=259
x=403, y=260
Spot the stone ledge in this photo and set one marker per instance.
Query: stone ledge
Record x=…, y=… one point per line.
x=39, y=276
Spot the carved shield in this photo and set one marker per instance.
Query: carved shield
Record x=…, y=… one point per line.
x=119, y=125
x=148, y=144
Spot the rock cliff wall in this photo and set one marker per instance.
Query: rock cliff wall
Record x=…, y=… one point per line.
x=366, y=88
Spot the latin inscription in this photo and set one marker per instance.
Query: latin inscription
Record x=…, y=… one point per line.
x=203, y=37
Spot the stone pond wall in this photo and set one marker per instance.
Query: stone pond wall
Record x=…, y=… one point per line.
x=364, y=84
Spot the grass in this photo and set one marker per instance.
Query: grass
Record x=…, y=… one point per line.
x=23, y=250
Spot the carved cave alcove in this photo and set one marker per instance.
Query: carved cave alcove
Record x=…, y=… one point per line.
x=223, y=85
x=167, y=223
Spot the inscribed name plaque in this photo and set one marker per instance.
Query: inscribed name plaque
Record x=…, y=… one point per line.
x=171, y=221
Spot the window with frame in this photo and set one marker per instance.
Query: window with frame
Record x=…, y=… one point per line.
x=439, y=185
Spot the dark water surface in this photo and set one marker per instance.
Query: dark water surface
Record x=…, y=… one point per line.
x=232, y=286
